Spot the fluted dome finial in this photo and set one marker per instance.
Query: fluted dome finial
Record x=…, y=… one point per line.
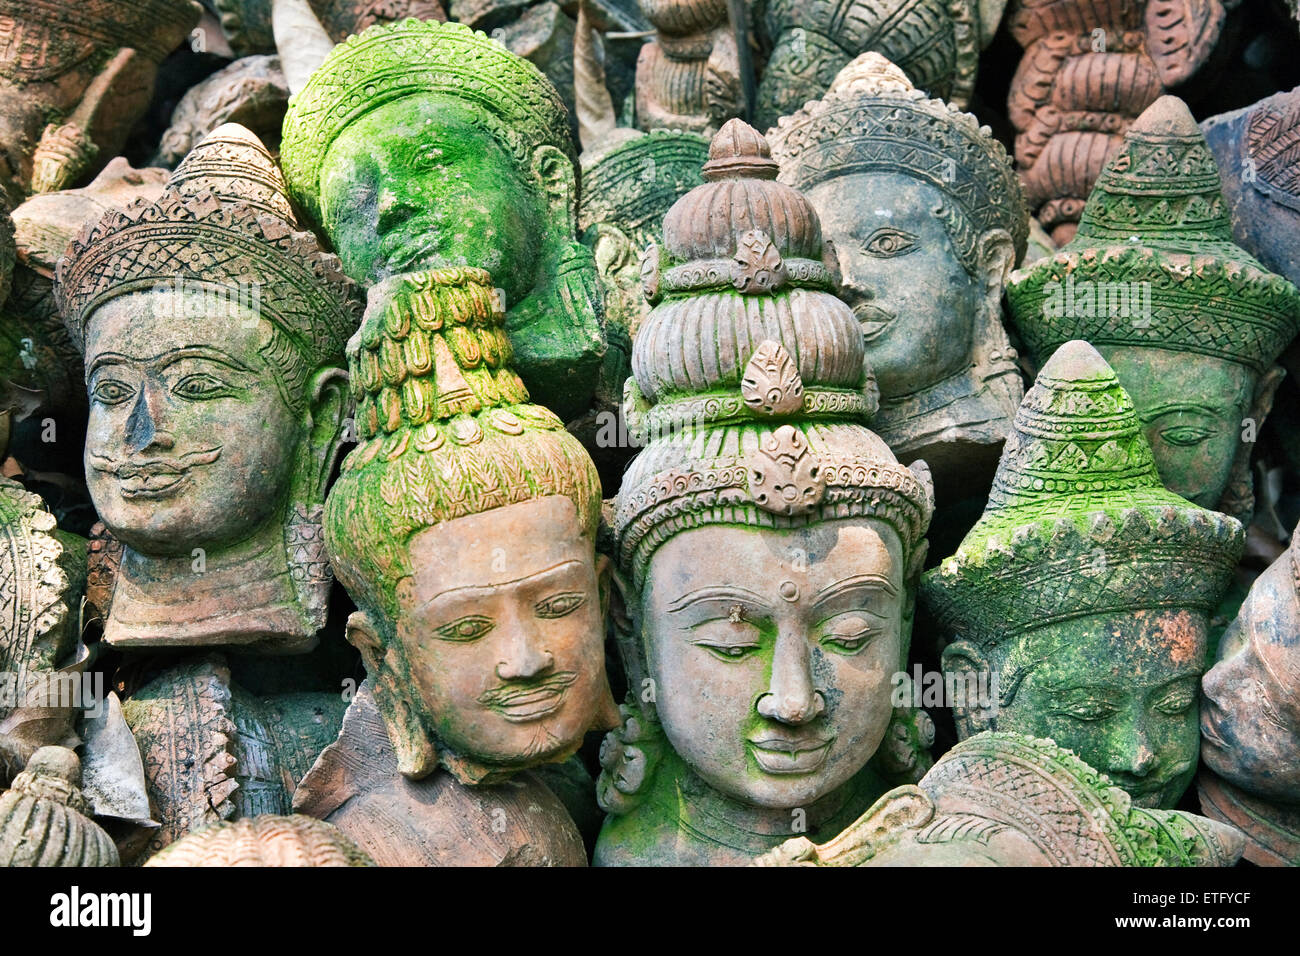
x=738, y=151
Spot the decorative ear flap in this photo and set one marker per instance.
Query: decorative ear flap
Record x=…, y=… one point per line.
x=330, y=409
x=963, y=657
x=416, y=755
x=1238, y=498
x=554, y=171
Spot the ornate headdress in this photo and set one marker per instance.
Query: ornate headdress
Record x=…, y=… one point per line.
x=636, y=181
x=445, y=427
x=223, y=222
x=749, y=376
x=388, y=62
x=936, y=41
x=1078, y=522
x=48, y=37
x=873, y=120
x=1156, y=217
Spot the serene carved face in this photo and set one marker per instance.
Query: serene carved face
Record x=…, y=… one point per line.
x=421, y=183
x=772, y=653
x=1120, y=690
x=1191, y=407
x=1250, y=714
x=917, y=304
x=190, y=442
x=502, y=625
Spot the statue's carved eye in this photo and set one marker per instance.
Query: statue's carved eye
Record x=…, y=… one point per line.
x=559, y=605
x=1178, y=701
x=1086, y=709
x=202, y=386
x=1184, y=436
x=887, y=242
x=469, y=628
x=848, y=640
x=111, y=392
x=727, y=651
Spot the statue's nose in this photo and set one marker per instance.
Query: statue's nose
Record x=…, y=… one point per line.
x=143, y=425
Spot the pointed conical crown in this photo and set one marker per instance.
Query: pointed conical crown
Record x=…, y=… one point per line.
x=1078, y=522
x=234, y=165
x=1153, y=263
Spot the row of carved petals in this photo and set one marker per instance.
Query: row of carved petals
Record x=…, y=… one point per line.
x=706, y=222
x=702, y=342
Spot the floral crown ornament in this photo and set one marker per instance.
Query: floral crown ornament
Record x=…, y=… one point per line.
x=388, y=62
x=1157, y=216
x=1078, y=522
x=749, y=376
x=874, y=120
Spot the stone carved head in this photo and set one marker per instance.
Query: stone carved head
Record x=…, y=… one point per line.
x=424, y=145
x=927, y=220
x=751, y=387
x=75, y=75
x=1190, y=322
x=1088, y=71
x=1250, y=717
x=1003, y=799
x=213, y=335
x=936, y=43
x=1086, y=587
x=464, y=527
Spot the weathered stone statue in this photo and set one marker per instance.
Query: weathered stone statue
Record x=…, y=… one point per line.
x=213, y=334
x=1190, y=322
x=269, y=840
x=213, y=752
x=937, y=43
x=1078, y=604
x=464, y=527
x=43, y=576
x=927, y=221
x=1250, y=718
x=1261, y=180
x=751, y=386
x=422, y=145
x=1001, y=799
x=691, y=75
x=44, y=820
x=1089, y=69
x=75, y=75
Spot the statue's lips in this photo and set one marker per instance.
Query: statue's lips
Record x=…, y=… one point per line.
x=1149, y=794
x=152, y=477
x=409, y=246
x=520, y=703
x=873, y=319
x=782, y=755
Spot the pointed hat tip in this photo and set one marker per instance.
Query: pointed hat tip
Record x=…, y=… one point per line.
x=1077, y=361
x=1168, y=116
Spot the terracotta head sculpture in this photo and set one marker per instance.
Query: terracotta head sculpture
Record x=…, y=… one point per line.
x=75, y=75
x=1085, y=588
x=1190, y=322
x=1088, y=71
x=937, y=43
x=750, y=384
x=926, y=219
x=691, y=75
x=213, y=334
x=1250, y=718
x=464, y=527
x=1001, y=799
x=424, y=145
